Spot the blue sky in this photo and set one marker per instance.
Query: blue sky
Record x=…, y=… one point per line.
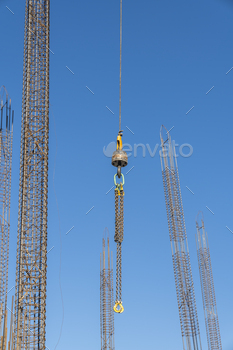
x=173, y=54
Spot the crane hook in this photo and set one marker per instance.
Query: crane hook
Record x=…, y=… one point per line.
x=119, y=171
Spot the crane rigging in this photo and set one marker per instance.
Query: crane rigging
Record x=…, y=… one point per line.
x=119, y=160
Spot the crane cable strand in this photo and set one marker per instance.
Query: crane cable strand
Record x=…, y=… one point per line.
x=120, y=65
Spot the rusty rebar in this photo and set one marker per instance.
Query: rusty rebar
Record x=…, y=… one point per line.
x=106, y=299
x=207, y=288
x=6, y=137
x=31, y=263
x=179, y=246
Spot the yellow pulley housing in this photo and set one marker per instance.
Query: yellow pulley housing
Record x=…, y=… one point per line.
x=119, y=157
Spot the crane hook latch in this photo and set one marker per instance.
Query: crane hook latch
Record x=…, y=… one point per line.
x=119, y=142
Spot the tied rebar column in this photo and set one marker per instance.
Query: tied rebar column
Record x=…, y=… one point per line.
x=179, y=246
x=207, y=288
x=31, y=263
x=6, y=136
x=106, y=300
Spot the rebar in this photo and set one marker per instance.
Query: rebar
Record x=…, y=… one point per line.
x=6, y=137
x=106, y=300
x=179, y=246
x=31, y=263
x=207, y=288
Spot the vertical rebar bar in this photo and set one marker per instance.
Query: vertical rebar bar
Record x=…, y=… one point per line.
x=179, y=246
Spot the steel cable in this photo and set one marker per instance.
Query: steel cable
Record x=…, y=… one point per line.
x=120, y=65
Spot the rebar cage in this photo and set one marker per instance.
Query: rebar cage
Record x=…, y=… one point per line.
x=6, y=137
x=179, y=246
x=207, y=288
x=31, y=264
x=106, y=300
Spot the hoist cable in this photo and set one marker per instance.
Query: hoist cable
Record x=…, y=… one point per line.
x=120, y=65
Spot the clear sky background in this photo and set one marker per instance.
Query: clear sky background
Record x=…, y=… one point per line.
x=174, y=52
